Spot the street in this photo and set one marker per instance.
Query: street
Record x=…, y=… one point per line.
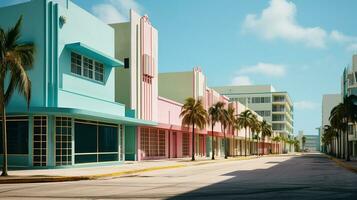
x=310, y=176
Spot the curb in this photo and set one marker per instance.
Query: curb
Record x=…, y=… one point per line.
x=80, y=178
x=30, y=179
x=342, y=164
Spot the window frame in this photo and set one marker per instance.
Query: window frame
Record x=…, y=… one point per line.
x=94, y=64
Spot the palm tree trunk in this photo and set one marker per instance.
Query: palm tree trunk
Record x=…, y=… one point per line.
x=212, y=142
x=263, y=146
x=4, y=135
x=339, y=142
x=193, y=142
x=245, y=142
x=225, y=144
x=250, y=142
x=347, y=145
x=258, y=146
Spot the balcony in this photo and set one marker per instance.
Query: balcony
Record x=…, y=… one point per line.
x=279, y=99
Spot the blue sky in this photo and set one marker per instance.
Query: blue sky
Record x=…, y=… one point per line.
x=297, y=46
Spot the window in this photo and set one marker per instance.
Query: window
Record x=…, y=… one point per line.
x=63, y=141
x=95, y=142
x=153, y=142
x=263, y=113
x=99, y=71
x=278, y=127
x=279, y=98
x=40, y=141
x=76, y=63
x=17, y=135
x=278, y=117
x=126, y=63
x=278, y=108
x=185, y=144
x=261, y=100
x=87, y=67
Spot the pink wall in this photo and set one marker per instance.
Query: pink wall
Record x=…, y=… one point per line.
x=169, y=112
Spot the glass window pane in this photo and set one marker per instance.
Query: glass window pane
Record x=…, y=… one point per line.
x=85, y=138
x=85, y=158
x=108, y=139
x=108, y=157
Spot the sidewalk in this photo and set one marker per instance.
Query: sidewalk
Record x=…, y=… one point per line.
x=349, y=165
x=90, y=173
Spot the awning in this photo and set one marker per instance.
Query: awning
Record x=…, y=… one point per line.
x=92, y=53
x=84, y=114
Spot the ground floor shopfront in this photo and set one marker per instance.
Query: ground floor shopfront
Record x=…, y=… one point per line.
x=43, y=140
x=159, y=143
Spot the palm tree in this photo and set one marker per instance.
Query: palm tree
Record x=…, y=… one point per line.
x=284, y=140
x=253, y=128
x=230, y=121
x=193, y=113
x=346, y=112
x=338, y=123
x=296, y=144
x=276, y=139
x=244, y=120
x=256, y=129
x=224, y=124
x=266, y=132
x=303, y=141
x=215, y=113
x=15, y=59
x=257, y=137
x=329, y=134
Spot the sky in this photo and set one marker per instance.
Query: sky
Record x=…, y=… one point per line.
x=297, y=46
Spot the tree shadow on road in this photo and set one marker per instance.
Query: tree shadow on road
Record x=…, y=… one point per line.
x=300, y=177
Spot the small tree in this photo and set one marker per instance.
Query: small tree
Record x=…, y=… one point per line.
x=193, y=113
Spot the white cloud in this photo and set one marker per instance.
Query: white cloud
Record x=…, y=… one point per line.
x=341, y=37
x=305, y=105
x=114, y=11
x=241, y=80
x=266, y=69
x=108, y=13
x=278, y=22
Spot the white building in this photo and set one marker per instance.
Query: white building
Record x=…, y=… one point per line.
x=274, y=106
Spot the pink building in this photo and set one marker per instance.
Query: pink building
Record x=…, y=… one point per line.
x=158, y=98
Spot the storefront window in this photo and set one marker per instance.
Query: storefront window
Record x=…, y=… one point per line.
x=40, y=141
x=95, y=142
x=17, y=135
x=63, y=141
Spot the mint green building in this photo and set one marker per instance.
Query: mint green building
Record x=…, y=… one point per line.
x=73, y=117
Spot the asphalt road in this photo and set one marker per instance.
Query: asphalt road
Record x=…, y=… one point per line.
x=287, y=177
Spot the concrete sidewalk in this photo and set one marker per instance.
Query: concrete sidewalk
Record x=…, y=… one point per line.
x=350, y=165
x=89, y=173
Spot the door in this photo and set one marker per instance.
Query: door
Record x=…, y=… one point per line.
x=174, y=145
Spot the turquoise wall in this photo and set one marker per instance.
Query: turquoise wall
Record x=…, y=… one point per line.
x=53, y=84
x=130, y=143
x=32, y=30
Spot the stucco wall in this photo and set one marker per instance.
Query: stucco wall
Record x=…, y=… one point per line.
x=32, y=30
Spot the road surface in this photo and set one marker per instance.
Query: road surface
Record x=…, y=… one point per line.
x=287, y=177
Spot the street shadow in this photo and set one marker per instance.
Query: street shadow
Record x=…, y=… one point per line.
x=300, y=177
